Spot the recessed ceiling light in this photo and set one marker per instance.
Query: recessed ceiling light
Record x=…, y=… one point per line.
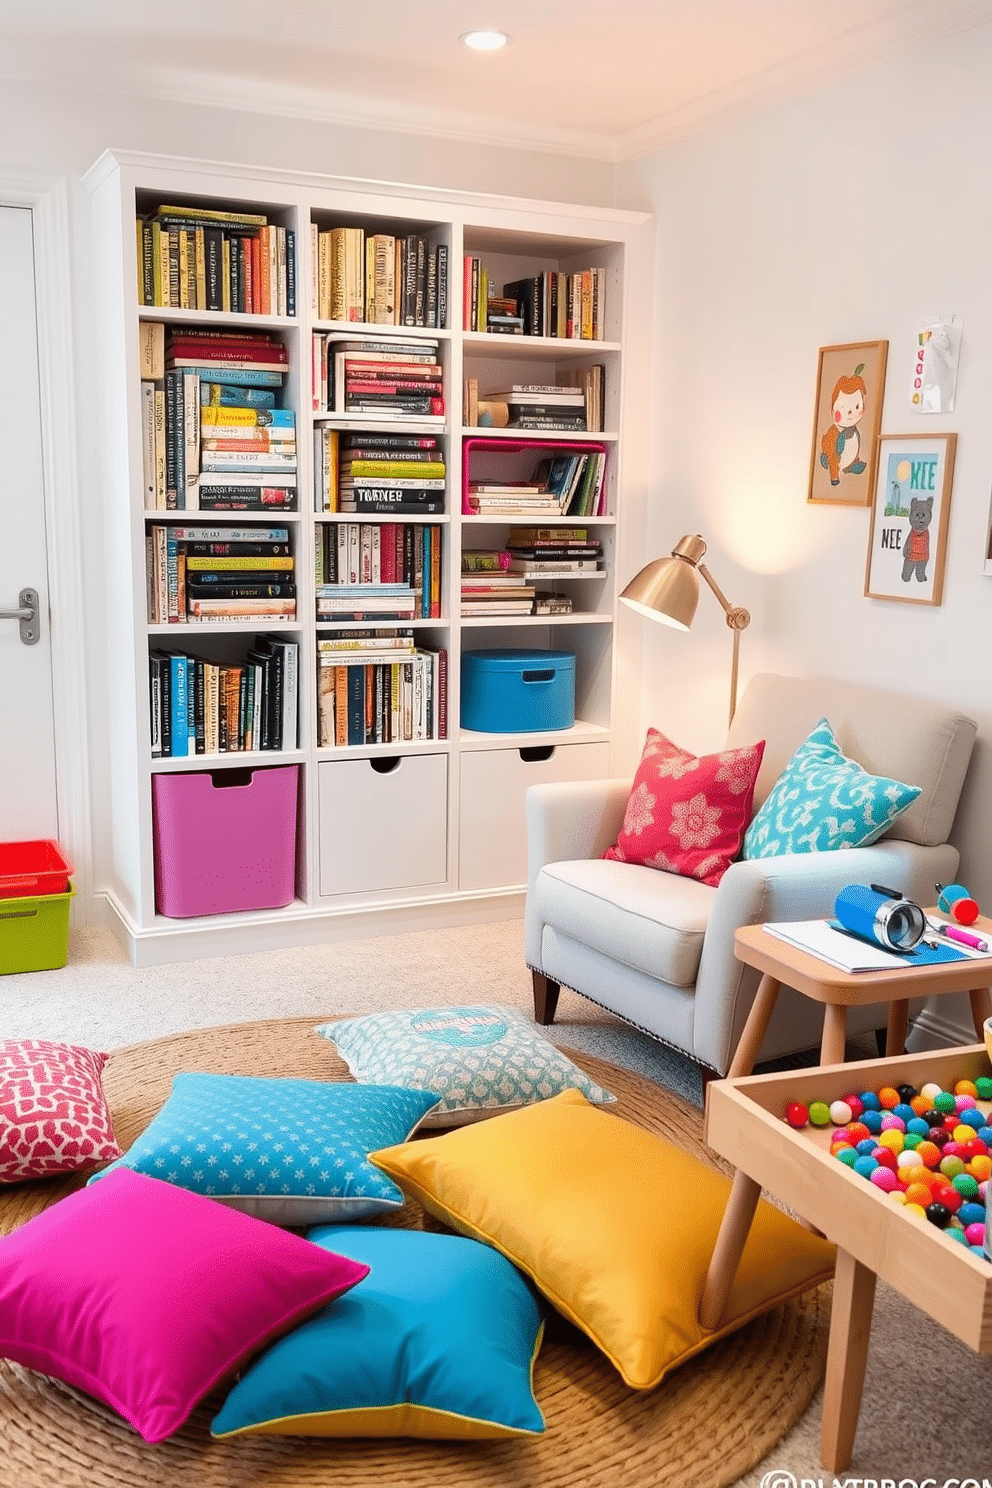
x=485, y=41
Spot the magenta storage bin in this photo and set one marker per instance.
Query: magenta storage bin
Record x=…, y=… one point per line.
x=225, y=840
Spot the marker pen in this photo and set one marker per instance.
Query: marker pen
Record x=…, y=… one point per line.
x=953, y=933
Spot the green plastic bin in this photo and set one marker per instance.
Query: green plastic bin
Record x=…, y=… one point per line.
x=34, y=932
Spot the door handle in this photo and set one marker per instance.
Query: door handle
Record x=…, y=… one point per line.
x=27, y=615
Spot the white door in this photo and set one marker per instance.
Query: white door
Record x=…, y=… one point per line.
x=28, y=804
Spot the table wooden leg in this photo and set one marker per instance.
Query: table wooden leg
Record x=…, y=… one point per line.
x=834, y=1034
x=981, y=1008
x=737, y=1217
x=847, y=1355
x=895, y=1033
x=755, y=1028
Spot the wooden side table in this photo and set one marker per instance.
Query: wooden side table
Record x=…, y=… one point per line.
x=874, y=1236
x=782, y=964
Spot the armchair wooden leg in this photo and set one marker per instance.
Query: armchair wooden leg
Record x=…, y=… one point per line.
x=545, y=998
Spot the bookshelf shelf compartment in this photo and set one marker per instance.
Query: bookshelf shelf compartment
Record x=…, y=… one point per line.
x=367, y=841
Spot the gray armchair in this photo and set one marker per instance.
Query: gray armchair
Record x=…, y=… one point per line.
x=658, y=950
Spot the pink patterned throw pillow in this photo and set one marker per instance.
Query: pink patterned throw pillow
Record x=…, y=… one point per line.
x=688, y=814
x=53, y=1112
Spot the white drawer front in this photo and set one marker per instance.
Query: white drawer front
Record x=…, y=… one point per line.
x=492, y=851
x=383, y=830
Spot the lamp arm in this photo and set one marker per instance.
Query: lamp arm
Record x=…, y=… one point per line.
x=738, y=619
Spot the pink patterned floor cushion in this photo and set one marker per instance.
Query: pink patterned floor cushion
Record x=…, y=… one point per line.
x=688, y=815
x=53, y=1113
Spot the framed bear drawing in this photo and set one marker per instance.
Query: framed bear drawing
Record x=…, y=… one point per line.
x=909, y=514
x=850, y=381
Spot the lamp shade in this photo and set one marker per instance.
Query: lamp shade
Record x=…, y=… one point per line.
x=668, y=588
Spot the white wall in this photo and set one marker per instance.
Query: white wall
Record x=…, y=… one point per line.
x=850, y=215
x=56, y=133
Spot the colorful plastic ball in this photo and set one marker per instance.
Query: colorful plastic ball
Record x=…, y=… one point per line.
x=931, y=1089
x=984, y=1134
x=888, y=1098
x=906, y=1092
x=951, y=1166
x=918, y=1194
x=872, y=1121
x=939, y=1136
x=796, y=1114
x=840, y=1112
x=870, y=1100
x=857, y=1131
x=964, y=1101
x=912, y=1139
x=847, y=1155
x=866, y=1146
x=944, y=1102
x=892, y=1122
x=819, y=1113
x=950, y=1122
x=938, y=1214
x=972, y=1116
x=904, y=1111
x=915, y=1209
x=894, y=1140
x=983, y=1087
x=865, y=1165
x=971, y=1214
x=966, y=1185
x=964, y=1087
x=920, y=1104
x=975, y=1234
x=980, y=1167
x=906, y=1162
x=950, y=1198
x=918, y=1126
x=886, y=1157
x=955, y=1234
x=884, y=1178
x=855, y=1103
x=899, y=1194
x=962, y=1133
x=934, y=1117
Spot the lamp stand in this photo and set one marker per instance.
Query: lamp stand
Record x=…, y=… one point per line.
x=738, y=619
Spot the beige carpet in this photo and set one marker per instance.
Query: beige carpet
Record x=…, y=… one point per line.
x=101, y=1000
x=599, y=1432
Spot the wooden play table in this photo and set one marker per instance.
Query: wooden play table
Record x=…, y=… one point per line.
x=874, y=1236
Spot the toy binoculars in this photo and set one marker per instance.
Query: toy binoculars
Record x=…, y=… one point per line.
x=881, y=915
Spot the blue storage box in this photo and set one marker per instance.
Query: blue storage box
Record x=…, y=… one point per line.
x=517, y=692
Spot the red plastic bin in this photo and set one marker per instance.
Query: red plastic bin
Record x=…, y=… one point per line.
x=29, y=868
x=225, y=840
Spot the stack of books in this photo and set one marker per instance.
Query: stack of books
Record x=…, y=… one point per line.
x=206, y=707
x=375, y=377
x=495, y=593
x=378, y=278
x=532, y=405
x=374, y=602
x=240, y=467
x=378, y=687
x=195, y=258
x=545, y=553
x=409, y=553
x=219, y=574
x=558, y=304
x=405, y=476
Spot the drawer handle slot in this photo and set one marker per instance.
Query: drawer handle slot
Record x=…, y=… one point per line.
x=537, y=676
x=230, y=779
x=536, y=753
x=385, y=764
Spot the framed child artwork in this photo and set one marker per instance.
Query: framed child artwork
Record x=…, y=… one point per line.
x=909, y=517
x=850, y=382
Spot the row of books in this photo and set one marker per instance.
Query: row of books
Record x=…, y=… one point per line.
x=405, y=553
x=570, y=484
x=193, y=258
x=377, y=376
x=560, y=406
x=218, y=573
x=378, y=278
x=554, y=303
x=211, y=439
x=489, y=594
x=369, y=472
x=388, y=692
x=205, y=707
x=539, y=553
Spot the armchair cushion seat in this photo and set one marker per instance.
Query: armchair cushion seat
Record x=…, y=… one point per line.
x=654, y=922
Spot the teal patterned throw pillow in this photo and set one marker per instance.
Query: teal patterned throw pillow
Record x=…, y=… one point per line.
x=823, y=801
x=294, y=1152
x=480, y=1060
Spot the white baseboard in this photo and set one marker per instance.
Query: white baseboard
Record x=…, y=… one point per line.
x=941, y=1025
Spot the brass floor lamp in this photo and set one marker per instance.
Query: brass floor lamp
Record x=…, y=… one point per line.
x=668, y=590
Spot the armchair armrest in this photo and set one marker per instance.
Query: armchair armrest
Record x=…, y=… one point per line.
x=567, y=820
x=796, y=886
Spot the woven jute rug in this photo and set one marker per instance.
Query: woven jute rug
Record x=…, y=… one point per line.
x=706, y=1425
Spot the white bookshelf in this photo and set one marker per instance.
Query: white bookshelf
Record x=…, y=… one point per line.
x=396, y=836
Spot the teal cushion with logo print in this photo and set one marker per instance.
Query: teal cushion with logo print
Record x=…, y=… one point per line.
x=823, y=801
x=479, y=1060
x=294, y=1152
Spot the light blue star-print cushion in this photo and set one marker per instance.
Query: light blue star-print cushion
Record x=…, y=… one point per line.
x=294, y=1152
x=480, y=1060
x=823, y=801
